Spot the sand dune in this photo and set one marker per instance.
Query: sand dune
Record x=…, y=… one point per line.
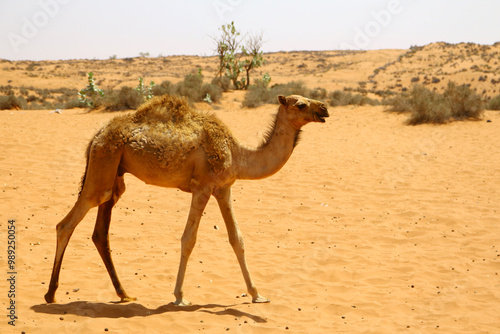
x=372, y=226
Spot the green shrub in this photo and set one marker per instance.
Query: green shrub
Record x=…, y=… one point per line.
x=145, y=91
x=494, y=103
x=10, y=102
x=91, y=95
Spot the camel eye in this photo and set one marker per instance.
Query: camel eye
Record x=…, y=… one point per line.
x=300, y=105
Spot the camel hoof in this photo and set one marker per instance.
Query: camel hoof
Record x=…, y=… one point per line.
x=260, y=299
x=49, y=298
x=182, y=302
x=127, y=299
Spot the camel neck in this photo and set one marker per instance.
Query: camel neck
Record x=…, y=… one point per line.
x=272, y=154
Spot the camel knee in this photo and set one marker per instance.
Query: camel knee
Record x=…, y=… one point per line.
x=98, y=238
x=96, y=198
x=236, y=241
x=187, y=244
x=65, y=228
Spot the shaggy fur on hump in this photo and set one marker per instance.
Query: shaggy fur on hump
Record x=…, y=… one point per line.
x=165, y=130
x=187, y=129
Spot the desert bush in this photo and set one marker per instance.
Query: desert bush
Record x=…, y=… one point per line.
x=7, y=90
x=32, y=98
x=257, y=95
x=318, y=93
x=24, y=91
x=290, y=88
x=166, y=87
x=427, y=107
x=73, y=103
x=210, y=92
x=494, y=103
x=399, y=103
x=124, y=99
x=341, y=98
x=190, y=87
x=223, y=82
x=10, y=102
x=463, y=101
x=365, y=100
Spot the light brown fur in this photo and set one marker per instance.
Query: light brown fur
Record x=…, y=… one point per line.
x=165, y=143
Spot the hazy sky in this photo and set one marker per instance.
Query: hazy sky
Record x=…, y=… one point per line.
x=69, y=29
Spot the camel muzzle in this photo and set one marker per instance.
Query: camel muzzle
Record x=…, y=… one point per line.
x=321, y=115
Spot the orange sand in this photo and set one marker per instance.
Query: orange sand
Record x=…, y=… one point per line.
x=371, y=227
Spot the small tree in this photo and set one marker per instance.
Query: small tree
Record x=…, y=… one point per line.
x=227, y=43
x=234, y=58
x=90, y=94
x=254, y=55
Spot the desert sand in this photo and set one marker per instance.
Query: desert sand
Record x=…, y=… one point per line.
x=372, y=226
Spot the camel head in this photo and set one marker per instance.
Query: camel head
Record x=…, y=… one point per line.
x=300, y=110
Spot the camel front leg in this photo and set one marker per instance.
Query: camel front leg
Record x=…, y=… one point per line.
x=223, y=197
x=198, y=203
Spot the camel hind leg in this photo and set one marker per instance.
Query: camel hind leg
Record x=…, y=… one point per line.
x=101, y=236
x=64, y=231
x=99, y=177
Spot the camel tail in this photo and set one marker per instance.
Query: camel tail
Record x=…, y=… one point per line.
x=87, y=158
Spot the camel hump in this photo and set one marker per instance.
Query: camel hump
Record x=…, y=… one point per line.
x=175, y=114
x=163, y=108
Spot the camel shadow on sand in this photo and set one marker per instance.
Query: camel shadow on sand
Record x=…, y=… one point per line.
x=130, y=310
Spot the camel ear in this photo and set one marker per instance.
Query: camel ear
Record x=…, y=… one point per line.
x=282, y=100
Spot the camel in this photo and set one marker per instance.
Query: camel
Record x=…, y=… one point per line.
x=166, y=143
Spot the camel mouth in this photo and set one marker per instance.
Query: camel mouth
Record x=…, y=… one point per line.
x=320, y=118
